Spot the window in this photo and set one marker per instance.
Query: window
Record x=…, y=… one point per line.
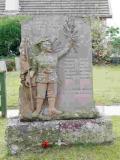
x=12, y=5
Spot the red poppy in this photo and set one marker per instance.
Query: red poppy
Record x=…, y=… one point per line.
x=45, y=144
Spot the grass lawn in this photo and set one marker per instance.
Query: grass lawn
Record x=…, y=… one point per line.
x=13, y=83
x=86, y=152
x=106, y=81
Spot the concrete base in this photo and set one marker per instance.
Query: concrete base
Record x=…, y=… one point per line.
x=28, y=136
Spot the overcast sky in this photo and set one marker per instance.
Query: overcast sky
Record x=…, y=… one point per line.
x=115, y=7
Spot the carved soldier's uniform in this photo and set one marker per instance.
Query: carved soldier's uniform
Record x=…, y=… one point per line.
x=45, y=66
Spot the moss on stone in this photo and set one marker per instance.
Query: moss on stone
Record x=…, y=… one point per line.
x=83, y=114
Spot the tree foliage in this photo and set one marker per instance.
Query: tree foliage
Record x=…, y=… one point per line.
x=99, y=42
x=113, y=36
x=10, y=35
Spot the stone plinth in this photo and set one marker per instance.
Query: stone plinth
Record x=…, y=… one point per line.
x=28, y=136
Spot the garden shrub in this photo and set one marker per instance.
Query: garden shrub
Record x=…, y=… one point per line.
x=10, y=35
x=99, y=41
x=10, y=65
x=113, y=35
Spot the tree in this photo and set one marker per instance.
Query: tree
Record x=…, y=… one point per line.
x=99, y=42
x=113, y=36
x=10, y=35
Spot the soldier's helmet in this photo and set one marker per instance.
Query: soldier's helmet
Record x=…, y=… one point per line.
x=45, y=44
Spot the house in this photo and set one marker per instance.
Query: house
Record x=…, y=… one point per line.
x=81, y=8
x=2, y=6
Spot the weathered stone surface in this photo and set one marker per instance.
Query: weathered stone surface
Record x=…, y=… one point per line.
x=74, y=70
x=83, y=114
x=28, y=136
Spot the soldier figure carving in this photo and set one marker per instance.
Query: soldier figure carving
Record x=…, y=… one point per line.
x=43, y=68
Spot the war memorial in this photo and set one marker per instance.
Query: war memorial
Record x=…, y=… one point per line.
x=56, y=93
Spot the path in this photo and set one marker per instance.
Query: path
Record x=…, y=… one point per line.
x=104, y=110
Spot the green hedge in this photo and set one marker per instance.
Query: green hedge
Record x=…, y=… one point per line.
x=10, y=35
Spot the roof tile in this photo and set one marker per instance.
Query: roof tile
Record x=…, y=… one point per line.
x=2, y=6
x=75, y=7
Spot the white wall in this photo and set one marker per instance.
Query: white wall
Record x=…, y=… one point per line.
x=12, y=5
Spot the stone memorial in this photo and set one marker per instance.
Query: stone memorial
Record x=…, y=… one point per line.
x=73, y=70
x=56, y=93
